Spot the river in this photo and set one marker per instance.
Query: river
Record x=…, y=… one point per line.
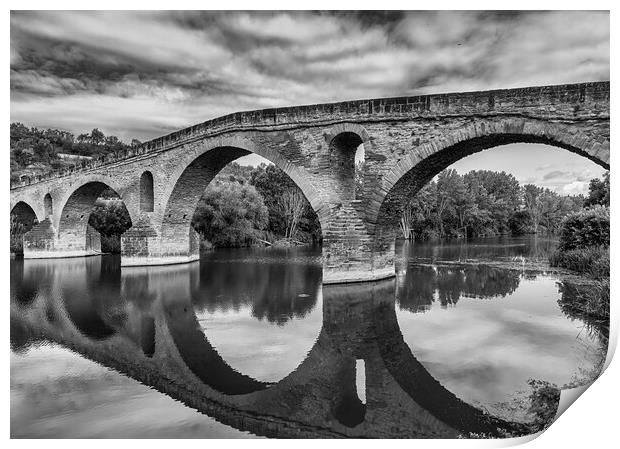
x=248, y=342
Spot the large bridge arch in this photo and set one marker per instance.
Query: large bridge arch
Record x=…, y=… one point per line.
x=417, y=168
x=227, y=149
x=170, y=235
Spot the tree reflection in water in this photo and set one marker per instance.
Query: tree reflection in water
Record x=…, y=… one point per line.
x=277, y=289
x=422, y=285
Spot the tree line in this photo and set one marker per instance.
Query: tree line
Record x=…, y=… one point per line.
x=484, y=203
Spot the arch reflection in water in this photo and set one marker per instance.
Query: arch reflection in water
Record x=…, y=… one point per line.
x=260, y=309
x=318, y=398
x=486, y=331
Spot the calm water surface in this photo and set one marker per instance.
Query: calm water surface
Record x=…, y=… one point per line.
x=251, y=340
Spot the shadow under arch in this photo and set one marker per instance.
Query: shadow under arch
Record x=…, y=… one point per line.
x=25, y=215
x=415, y=170
x=190, y=181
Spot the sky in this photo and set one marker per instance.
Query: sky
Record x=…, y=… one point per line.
x=142, y=74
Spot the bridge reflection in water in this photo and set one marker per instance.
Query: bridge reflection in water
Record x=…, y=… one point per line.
x=144, y=322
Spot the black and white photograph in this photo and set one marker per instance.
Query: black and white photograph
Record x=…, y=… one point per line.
x=308, y=224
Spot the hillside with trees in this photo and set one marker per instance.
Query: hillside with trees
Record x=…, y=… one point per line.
x=37, y=151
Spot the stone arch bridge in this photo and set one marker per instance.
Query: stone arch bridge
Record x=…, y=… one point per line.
x=407, y=141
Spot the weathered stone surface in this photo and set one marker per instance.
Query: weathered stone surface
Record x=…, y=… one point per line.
x=407, y=141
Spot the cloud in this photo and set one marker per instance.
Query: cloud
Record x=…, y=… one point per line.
x=576, y=188
x=556, y=174
x=142, y=73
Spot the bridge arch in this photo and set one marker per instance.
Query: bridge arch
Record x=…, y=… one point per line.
x=189, y=181
x=23, y=219
x=416, y=169
x=72, y=217
x=24, y=214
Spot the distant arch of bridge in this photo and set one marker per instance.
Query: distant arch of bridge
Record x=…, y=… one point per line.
x=407, y=141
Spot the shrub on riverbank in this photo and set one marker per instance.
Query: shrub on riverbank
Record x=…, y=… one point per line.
x=584, y=247
x=592, y=261
x=586, y=228
x=589, y=302
x=544, y=402
x=584, y=243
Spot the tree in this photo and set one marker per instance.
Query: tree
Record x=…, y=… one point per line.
x=18, y=132
x=271, y=182
x=533, y=204
x=422, y=213
x=44, y=150
x=110, y=217
x=83, y=138
x=406, y=222
x=231, y=214
x=498, y=193
x=483, y=203
x=520, y=222
x=292, y=205
x=359, y=177
x=598, y=193
x=96, y=137
x=21, y=157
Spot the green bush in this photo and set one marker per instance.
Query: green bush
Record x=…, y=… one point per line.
x=589, y=302
x=586, y=228
x=230, y=214
x=544, y=402
x=593, y=261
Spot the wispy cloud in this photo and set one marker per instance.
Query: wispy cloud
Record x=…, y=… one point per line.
x=141, y=74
